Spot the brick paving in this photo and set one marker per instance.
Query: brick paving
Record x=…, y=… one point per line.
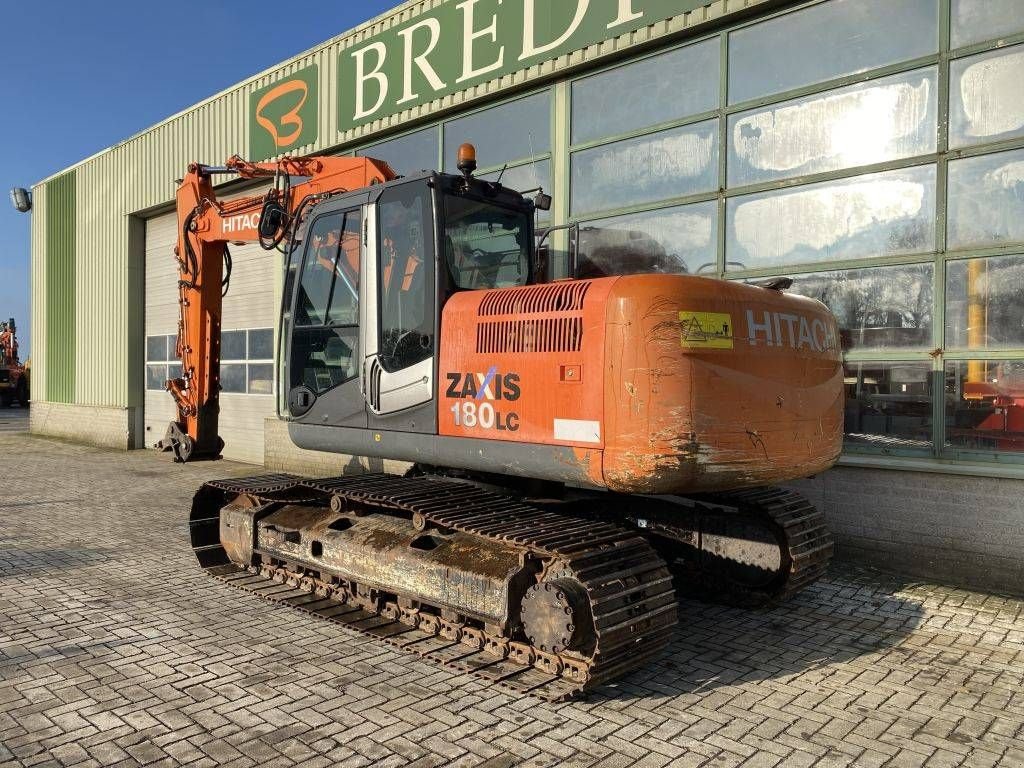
x=115, y=650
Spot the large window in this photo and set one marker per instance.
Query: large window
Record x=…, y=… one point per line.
x=674, y=163
x=862, y=124
x=884, y=308
x=407, y=154
x=985, y=406
x=647, y=93
x=863, y=217
x=509, y=133
x=985, y=303
x=826, y=41
x=985, y=101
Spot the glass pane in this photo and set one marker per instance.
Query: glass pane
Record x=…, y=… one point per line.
x=156, y=348
x=261, y=378
x=986, y=200
x=889, y=405
x=867, y=123
x=985, y=102
x=657, y=90
x=329, y=289
x=261, y=344
x=514, y=131
x=676, y=240
x=985, y=303
x=525, y=177
x=878, y=214
x=985, y=405
x=172, y=347
x=156, y=376
x=485, y=244
x=675, y=163
x=232, y=378
x=344, y=301
x=232, y=345
x=877, y=308
x=406, y=276
x=407, y=154
x=323, y=358
x=827, y=41
x=174, y=371
x=978, y=20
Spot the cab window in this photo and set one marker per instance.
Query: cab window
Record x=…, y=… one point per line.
x=486, y=244
x=407, y=294
x=325, y=340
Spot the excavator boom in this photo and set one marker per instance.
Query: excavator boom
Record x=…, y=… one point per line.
x=207, y=227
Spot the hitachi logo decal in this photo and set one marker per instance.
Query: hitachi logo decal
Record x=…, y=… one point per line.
x=778, y=329
x=240, y=222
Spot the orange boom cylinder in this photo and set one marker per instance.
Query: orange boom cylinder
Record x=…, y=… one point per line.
x=660, y=384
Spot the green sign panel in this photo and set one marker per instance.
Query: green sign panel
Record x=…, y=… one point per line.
x=466, y=42
x=285, y=114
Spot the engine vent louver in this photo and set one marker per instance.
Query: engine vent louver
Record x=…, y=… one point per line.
x=536, y=299
x=557, y=334
x=540, y=318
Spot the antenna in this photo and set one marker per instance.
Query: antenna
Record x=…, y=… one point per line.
x=502, y=174
x=533, y=160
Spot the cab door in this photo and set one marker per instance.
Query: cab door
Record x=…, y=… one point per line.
x=400, y=328
x=324, y=360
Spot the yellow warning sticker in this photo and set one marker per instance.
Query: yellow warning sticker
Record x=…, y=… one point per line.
x=706, y=330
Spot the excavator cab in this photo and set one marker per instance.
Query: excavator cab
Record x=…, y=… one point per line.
x=367, y=281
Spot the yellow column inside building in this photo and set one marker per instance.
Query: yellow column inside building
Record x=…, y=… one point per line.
x=977, y=316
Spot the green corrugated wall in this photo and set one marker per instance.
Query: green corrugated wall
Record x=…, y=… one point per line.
x=60, y=289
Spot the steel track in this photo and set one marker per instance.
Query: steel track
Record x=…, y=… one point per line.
x=632, y=601
x=805, y=544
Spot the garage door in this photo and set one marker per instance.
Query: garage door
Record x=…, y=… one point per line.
x=249, y=317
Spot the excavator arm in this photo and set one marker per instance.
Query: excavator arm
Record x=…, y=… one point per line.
x=206, y=229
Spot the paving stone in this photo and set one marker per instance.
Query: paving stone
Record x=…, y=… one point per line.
x=115, y=649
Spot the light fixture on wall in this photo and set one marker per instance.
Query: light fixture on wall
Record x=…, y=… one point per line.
x=21, y=199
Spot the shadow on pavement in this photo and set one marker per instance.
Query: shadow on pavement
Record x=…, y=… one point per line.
x=850, y=613
x=16, y=561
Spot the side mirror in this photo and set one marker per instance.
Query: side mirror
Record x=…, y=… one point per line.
x=542, y=202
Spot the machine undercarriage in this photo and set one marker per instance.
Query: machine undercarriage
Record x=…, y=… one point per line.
x=550, y=597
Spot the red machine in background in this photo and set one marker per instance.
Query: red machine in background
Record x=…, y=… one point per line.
x=14, y=377
x=985, y=402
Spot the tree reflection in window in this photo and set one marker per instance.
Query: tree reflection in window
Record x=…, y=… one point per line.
x=877, y=308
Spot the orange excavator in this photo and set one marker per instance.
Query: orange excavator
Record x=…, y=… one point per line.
x=580, y=450
x=14, y=384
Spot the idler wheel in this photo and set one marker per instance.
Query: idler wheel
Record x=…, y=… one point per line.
x=556, y=615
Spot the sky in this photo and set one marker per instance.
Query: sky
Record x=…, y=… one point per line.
x=65, y=61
